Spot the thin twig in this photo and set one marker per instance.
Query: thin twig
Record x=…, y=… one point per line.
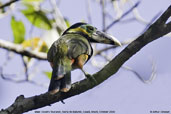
x=126, y=13
x=117, y=8
x=8, y=3
x=97, y=52
x=88, y=9
x=152, y=20
x=59, y=20
x=154, y=32
x=104, y=49
x=102, y=2
x=6, y=77
x=129, y=41
x=127, y=20
x=152, y=76
x=25, y=68
x=137, y=15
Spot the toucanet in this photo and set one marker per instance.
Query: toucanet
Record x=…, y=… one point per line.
x=71, y=51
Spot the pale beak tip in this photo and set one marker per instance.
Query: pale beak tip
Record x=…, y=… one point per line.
x=117, y=42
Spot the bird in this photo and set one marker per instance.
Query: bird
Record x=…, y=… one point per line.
x=72, y=51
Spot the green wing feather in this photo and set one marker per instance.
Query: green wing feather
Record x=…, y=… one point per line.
x=60, y=54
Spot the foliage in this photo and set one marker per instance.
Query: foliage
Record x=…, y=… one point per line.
x=51, y=19
x=48, y=74
x=18, y=30
x=35, y=44
x=37, y=17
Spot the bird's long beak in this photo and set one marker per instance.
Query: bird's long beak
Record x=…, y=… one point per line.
x=101, y=37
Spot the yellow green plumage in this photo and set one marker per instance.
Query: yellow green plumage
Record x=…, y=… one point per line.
x=71, y=51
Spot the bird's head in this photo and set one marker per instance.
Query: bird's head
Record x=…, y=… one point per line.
x=92, y=34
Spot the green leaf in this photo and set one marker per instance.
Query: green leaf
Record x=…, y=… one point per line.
x=37, y=18
x=67, y=23
x=18, y=30
x=48, y=74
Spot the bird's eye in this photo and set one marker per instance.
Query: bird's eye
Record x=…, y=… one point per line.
x=90, y=28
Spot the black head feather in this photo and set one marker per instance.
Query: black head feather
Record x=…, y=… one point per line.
x=74, y=26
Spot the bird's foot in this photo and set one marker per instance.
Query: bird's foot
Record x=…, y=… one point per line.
x=59, y=77
x=65, y=89
x=52, y=92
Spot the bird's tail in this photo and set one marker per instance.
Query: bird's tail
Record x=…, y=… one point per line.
x=54, y=85
x=60, y=80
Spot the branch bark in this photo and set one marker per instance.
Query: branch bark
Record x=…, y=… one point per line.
x=22, y=51
x=155, y=31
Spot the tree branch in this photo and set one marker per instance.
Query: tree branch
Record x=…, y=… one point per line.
x=103, y=5
x=126, y=13
x=20, y=50
x=129, y=41
x=8, y=3
x=155, y=31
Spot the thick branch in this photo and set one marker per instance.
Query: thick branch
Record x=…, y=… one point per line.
x=155, y=31
x=20, y=50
